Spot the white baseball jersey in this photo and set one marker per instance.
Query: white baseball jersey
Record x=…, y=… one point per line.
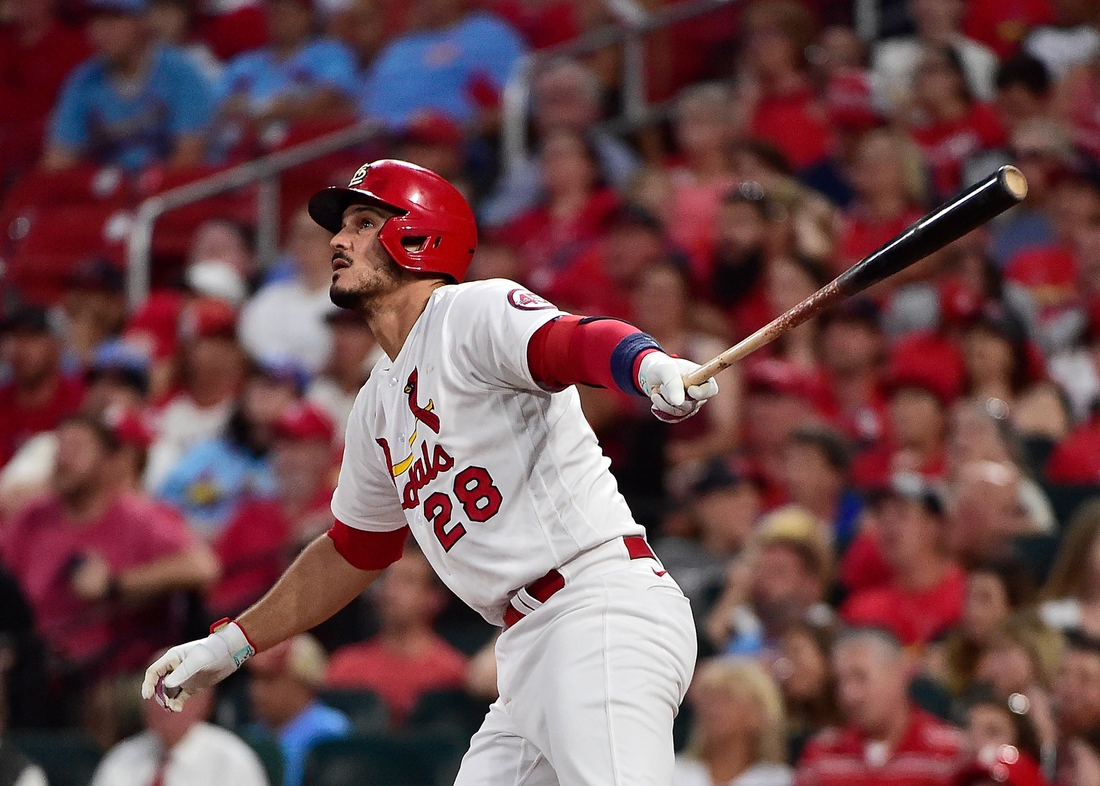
x=498, y=479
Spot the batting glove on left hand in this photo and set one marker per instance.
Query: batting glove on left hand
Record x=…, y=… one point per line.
x=661, y=377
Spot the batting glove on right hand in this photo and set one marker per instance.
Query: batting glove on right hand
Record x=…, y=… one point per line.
x=661, y=377
x=188, y=668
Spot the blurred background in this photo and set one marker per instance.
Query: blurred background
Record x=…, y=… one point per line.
x=888, y=522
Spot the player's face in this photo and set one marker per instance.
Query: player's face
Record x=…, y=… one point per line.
x=361, y=268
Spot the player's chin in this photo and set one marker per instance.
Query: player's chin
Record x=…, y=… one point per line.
x=344, y=296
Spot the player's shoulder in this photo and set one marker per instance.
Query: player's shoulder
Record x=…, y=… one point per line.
x=496, y=293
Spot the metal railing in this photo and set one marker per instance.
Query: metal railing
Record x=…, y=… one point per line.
x=630, y=31
x=263, y=171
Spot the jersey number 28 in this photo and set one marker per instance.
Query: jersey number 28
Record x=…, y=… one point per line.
x=480, y=500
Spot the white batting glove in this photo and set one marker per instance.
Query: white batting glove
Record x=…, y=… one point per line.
x=188, y=668
x=661, y=377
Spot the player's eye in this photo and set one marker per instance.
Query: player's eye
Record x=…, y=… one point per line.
x=365, y=223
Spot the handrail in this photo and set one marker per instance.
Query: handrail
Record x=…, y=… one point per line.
x=516, y=96
x=265, y=169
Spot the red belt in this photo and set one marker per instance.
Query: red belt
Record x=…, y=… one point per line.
x=542, y=589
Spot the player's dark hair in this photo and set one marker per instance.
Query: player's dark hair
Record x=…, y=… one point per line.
x=1026, y=71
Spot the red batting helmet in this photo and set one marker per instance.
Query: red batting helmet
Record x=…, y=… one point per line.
x=434, y=231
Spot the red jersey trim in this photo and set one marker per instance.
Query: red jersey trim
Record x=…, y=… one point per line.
x=368, y=550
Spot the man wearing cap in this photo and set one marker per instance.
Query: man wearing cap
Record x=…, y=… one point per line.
x=38, y=396
x=135, y=103
x=923, y=596
x=284, y=684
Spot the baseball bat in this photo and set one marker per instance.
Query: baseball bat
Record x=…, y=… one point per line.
x=983, y=201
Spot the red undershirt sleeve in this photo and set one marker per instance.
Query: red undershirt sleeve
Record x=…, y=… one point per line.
x=368, y=550
x=596, y=351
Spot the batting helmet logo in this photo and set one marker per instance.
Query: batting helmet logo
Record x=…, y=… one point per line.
x=433, y=231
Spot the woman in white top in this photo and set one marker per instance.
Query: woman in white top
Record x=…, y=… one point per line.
x=1072, y=593
x=739, y=737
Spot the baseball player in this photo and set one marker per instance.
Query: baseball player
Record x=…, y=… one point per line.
x=469, y=434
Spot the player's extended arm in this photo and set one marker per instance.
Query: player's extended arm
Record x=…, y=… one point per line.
x=321, y=581
x=611, y=353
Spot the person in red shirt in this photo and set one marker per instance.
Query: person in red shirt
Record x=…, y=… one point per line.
x=98, y=562
x=407, y=658
x=786, y=112
x=952, y=125
x=264, y=534
x=888, y=184
x=924, y=593
x=852, y=351
x=37, y=52
x=886, y=741
x=38, y=396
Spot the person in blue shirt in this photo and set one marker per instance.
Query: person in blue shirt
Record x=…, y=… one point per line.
x=296, y=76
x=134, y=102
x=453, y=61
x=212, y=478
x=283, y=686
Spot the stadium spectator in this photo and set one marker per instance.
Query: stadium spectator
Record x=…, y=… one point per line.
x=572, y=215
x=98, y=561
x=816, y=463
x=806, y=680
x=211, y=479
x=180, y=747
x=434, y=141
x=134, y=103
x=283, y=685
x=1024, y=93
x=37, y=52
x=738, y=735
x=265, y=533
x=992, y=722
x=453, y=59
x=923, y=597
x=779, y=583
x=212, y=370
x=232, y=26
x=173, y=23
x=895, y=61
x=1001, y=365
x=985, y=513
x=361, y=28
x=406, y=658
x=1041, y=150
x=996, y=590
x=950, y=124
x=94, y=305
x=287, y=317
x=885, y=738
x=354, y=353
x=722, y=510
x=1071, y=37
x=1004, y=764
x=888, y=182
x=702, y=173
x=297, y=76
x=851, y=352
x=1071, y=597
x=778, y=100
x=38, y=395
x=736, y=278
x=566, y=95
x=1077, y=686
x=118, y=378
x=219, y=241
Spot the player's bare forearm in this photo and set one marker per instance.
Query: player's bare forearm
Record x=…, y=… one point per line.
x=318, y=584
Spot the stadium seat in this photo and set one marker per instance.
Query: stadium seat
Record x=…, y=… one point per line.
x=366, y=710
x=448, y=711
x=267, y=748
x=381, y=760
x=69, y=758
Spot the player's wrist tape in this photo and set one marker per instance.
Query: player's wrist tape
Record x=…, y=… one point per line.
x=625, y=358
x=239, y=645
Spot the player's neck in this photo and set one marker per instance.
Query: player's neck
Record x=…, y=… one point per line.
x=391, y=316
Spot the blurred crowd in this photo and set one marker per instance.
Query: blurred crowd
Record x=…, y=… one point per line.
x=888, y=521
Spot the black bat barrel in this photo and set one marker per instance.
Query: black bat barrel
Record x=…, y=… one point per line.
x=969, y=210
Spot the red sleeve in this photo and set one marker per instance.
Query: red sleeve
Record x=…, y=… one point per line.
x=597, y=351
x=368, y=550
